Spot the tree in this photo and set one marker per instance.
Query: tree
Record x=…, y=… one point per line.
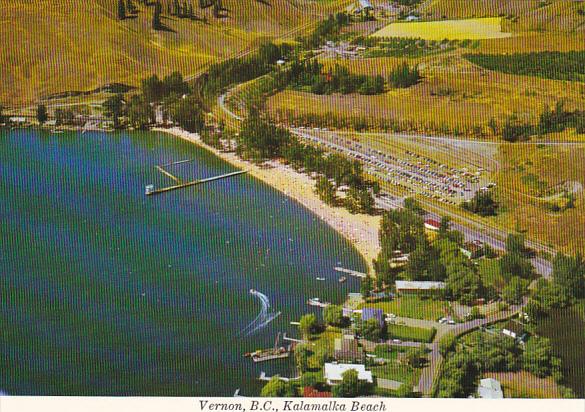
x=156, y=22
x=308, y=325
x=130, y=6
x=569, y=274
x=404, y=76
x=188, y=114
x=42, y=115
x=113, y=108
x=370, y=330
x=121, y=10
x=514, y=264
x=140, y=113
x=359, y=200
x=260, y=139
x=416, y=357
x=447, y=344
x=464, y=284
x=482, y=204
x=351, y=386
x=276, y=388
x=444, y=226
x=333, y=315
x=515, y=290
x=404, y=391
x=177, y=8
x=325, y=190
x=366, y=287
x=302, y=354
x=537, y=357
x=460, y=376
x=515, y=243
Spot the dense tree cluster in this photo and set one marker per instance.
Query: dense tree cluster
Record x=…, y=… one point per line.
x=549, y=64
x=309, y=74
x=404, y=76
x=239, y=70
x=156, y=90
x=351, y=386
x=63, y=117
x=482, y=203
x=329, y=29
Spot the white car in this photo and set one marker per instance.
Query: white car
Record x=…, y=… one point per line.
x=451, y=322
x=396, y=341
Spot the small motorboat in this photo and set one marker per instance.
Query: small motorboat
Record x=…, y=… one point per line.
x=320, y=278
x=342, y=279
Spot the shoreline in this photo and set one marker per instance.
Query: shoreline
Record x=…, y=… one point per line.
x=361, y=230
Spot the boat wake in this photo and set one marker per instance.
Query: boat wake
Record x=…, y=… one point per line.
x=264, y=317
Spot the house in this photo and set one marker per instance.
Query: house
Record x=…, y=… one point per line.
x=413, y=287
x=310, y=392
x=515, y=330
x=334, y=372
x=347, y=350
x=412, y=18
x=490, y=388
x=371, y=313
x=432, y=224
x=472, y=250
x=17, y=119
x=363, y=5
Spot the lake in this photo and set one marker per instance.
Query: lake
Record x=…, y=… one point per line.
x=105, y=291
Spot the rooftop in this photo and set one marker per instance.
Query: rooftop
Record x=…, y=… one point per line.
x=334, y=372
x=372, y=313
x=421, y=285
x=490, y=388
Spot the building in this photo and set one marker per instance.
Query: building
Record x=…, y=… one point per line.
x=372, y=313
x=362, y=6
x=514, y=330
x=413, y=287
x=347, y=349
x=310, y=392
x=490, y=388
x=334, y=372
x=432, y=224
x=412, y=18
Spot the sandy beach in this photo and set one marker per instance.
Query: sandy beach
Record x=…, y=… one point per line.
x=361, y=230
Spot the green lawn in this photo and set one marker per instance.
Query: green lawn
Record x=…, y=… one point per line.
x=397, y=372
x=411, y=333
x=412, y=307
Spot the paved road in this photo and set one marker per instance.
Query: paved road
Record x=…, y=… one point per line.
x=430, y=373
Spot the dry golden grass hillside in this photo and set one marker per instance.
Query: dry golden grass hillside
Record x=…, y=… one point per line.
x=53, y=46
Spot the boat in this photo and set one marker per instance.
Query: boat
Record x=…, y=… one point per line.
x=342, y=279
x=148, y=189
x=276, y=352
x=252, y=291
x=320, y=278
x=317, y=302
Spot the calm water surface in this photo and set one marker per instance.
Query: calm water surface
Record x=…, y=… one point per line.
x=104, y=291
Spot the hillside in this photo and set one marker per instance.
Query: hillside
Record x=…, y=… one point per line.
x=54, y=46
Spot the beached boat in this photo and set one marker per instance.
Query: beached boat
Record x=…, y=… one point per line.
x=317, y=302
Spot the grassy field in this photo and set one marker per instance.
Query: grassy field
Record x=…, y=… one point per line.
x=525, y=385
x=528, y=176
x=53, y=46
x=412, y=307
x=411, y=333
x=454, y=96
x=473, y=29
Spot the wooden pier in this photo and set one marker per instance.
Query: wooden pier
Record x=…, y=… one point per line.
x=351, y=272
x=187, y=184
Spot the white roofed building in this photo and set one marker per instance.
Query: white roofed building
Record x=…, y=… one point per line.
x=334, y=372
x=490, y=388
x=412, y=286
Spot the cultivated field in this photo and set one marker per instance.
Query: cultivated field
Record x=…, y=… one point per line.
x=53, y=46
x=473, y=29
